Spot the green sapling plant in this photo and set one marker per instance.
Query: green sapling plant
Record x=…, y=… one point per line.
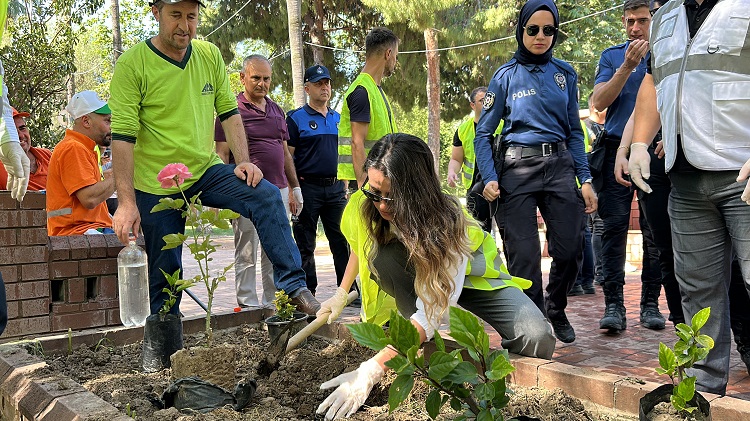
x=692, y=346
x=284, y=309
x=476, y=387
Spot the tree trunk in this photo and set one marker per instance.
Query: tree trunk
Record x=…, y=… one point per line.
x=116, y=37
x=317, y=33
x=294, y=16
x=433, y=95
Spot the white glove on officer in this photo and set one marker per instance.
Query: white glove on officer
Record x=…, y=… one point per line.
x=297, y=193
x=639, y=166
x=353, y=389
x=18, y=167
x=334, y=304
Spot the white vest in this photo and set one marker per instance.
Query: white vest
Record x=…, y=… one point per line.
x=703, y=84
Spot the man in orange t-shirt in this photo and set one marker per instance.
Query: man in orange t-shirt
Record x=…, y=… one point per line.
x=38, y=157
x=76, y=187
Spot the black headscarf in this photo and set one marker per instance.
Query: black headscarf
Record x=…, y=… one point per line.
x=523, y=55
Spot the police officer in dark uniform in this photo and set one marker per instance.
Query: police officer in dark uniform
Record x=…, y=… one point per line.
x=313, y=143
x=541, y=154
x=619, y=74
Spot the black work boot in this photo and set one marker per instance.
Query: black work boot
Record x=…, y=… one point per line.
x=741, y=333
x=651, y=317
x=563, y=330
x=614, y=313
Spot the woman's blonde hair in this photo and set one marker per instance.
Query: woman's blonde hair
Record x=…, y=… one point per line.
x=431, y=224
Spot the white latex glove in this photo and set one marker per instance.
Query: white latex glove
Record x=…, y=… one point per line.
x=334, y=304
x=297, y=193
x=18, y=167
x=639, y=166
x=744, y=173
x=352, y=391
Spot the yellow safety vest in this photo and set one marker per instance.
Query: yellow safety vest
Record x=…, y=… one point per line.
x=466, y=133
x=381, y=124
x=485, y=270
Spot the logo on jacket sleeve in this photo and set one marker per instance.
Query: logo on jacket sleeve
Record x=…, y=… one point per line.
x=560, y=80
x=489, y=100
x=208, y=89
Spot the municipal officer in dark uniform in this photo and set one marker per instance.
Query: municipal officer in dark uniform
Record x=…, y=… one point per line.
x=313, y=143
x=536, y=165
x=619, y=74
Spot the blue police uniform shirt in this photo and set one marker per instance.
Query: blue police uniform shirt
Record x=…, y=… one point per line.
x=539, y=104
x=315, y=140
x=619, y=111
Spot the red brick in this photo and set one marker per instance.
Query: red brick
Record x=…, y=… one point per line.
x=79, y=320
x=83, y=405
x=7, y=202
x=63, y=308
x=97, y=246
x=8, y=237
x=35, y=271
x=108, y=287
x=59, y=248
x=100, y=305
x=113, y=317
x=11, y=291
x=36, y=307
x=27, y=326
x=76, y=290
x=66, y=269
x=113, y=245
x=30, y=254
x=98, y=267
x=6, y=255
x=79, y=247
x=14, y=309
x=34, y=200
x=10, y=273
x=33, y=289
x=32, y=236
x=43, y=391
x=23, y=218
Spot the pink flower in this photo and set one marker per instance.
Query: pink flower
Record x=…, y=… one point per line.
x=173, y=175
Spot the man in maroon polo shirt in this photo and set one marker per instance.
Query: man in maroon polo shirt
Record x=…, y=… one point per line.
x=267, y=135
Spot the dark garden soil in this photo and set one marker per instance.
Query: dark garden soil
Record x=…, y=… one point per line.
x=290, y=393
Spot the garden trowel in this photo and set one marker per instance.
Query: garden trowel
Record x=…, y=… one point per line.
x=282, y=344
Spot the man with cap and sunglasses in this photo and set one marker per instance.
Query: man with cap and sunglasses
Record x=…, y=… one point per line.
x=77, y=189
x=38, y=157
x=165, y=92
x=313, y=141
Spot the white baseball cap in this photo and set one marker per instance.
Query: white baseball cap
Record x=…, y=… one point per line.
x=86, y=102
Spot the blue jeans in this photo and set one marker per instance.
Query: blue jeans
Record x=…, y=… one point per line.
x=3, y=306
x=220, y=188
x=708, y=221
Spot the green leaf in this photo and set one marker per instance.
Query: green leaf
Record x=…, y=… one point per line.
x=464, y=372
x=705, y=341
x=433, y=403
x=667, y=359
x=439, y=342
x=484, y=392
x=483, y=343
x=500, y=368
x=403, y=335
x=677, y=402
x=455, y=404
x=501, y=397
x=400, y=365
x=684, y=329
x=369, y=335
x=441, y=364
x=701, y=353
x=228, y=214
x=222, y=224
x=700, y=318
x=173, y=240
x=686, y=388
x=485, y=415
x=399, y=390
x=462, y=327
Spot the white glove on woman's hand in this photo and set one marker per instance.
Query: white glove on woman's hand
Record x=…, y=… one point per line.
x=17, y=165
x=639, y=166
x=334, y=304
x=352, y=391
x=297, y=193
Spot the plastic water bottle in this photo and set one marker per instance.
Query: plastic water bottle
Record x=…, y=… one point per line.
x=132, y=279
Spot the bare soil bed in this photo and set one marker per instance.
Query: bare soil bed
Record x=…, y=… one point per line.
x=290, y=393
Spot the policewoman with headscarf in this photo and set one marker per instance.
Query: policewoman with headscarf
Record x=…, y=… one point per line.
x=537, y=159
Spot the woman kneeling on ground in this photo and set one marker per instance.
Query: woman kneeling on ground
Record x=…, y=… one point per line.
x=425, y=251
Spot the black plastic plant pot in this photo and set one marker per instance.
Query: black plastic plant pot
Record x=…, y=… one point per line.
x=662, y=394
x=281, y=330
x=162, y=337
x=525, y=418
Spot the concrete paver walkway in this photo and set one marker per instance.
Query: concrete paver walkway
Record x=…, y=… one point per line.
x=633, y=353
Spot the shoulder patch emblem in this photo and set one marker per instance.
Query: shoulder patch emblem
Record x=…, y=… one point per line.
x=596, y=71
x=560, y=80
x=489, y=100
x=313, y=125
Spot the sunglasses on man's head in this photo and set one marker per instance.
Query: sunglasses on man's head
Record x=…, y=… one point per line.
x=374, y=196
x=547, y=30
